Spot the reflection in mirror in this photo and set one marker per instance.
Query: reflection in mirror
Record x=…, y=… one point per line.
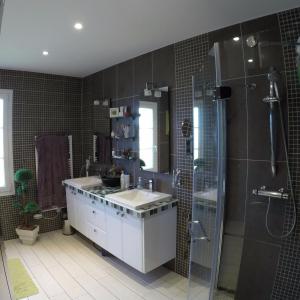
x=186, y=128
x=154, y=134
x=101, y=120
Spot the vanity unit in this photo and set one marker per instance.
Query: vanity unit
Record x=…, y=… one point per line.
x=144, y=238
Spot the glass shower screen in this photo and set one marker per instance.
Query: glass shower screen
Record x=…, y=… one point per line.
x=209, y=134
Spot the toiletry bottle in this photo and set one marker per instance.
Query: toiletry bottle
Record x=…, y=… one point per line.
x=122, y=181
x=127, y=181
x=140, y=183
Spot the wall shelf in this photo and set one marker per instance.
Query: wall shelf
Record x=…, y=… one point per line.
x=123, y=157
x=121, y=138
x=132, y=116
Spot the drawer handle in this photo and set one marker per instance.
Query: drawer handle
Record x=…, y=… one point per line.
x=122, y=215
x=117, y=213
x=95, y=230
x=93, y=202
x=94, y=212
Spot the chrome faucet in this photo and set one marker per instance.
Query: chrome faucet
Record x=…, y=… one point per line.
x=150, y=182
x=140, y=184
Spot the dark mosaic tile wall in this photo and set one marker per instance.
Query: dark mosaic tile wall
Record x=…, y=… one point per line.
x=287, y=281
x=190, y=57
x=42, y=103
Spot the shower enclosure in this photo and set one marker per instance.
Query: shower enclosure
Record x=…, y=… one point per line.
x=209, y=134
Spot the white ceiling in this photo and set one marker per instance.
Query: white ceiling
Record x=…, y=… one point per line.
x=114, y=30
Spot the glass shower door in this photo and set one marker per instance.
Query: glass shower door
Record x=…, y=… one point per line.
x=209, y=136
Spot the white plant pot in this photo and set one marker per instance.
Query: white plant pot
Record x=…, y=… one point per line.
x=28, y=237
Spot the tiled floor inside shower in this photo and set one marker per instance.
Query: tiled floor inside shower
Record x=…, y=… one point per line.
x=69, y=267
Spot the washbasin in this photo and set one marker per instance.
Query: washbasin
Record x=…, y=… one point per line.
x=84, y=182
x=138, y=199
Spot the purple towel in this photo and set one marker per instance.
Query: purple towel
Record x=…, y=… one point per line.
x=53, y=168
x=104, y=149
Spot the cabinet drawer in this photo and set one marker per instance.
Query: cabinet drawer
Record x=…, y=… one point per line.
x=96, y=216
x=97, y=235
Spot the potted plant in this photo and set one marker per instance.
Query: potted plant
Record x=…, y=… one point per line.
x=26, y=231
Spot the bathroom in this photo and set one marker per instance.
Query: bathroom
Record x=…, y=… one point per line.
x=221, y=156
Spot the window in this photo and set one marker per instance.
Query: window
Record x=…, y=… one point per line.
x=198, y=131
x=6, y=158
x=148, y=135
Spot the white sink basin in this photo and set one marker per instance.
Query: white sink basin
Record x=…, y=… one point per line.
x=84, y=182
x=137, y=199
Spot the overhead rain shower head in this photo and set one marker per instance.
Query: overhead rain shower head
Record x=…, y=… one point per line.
x=251, y=41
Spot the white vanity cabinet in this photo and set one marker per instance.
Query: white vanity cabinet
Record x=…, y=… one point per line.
x=124, y=237
x=114, y=232
x=143, y=243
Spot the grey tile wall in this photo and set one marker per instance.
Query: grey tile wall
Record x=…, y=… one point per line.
x=42, y=103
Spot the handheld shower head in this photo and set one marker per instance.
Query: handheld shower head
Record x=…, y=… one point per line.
x=273, y=77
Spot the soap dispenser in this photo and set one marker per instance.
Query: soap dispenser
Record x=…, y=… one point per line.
x=122, y=181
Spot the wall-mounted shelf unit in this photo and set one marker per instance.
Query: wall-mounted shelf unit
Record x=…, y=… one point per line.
x=123, y=157
x=122, y=138
x=132, y=116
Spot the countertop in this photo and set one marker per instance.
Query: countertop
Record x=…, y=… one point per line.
x=149, y=210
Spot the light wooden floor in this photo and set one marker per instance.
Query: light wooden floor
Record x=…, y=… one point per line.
x=69, y=267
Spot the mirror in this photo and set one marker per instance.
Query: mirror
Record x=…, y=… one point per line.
x=101, y=121
x=154, y=133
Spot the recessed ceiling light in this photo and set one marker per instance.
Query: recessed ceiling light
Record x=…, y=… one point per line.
x=78, y=26
x=250, y=60
x=236, y=38
x=45, y=53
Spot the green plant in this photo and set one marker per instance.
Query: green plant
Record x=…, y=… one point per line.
x=142, y=164
x=27, y=206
